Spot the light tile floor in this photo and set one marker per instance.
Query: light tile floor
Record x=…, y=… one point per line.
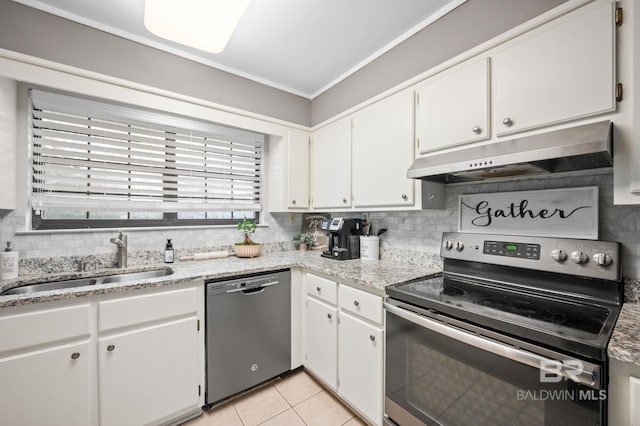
x=296, y=400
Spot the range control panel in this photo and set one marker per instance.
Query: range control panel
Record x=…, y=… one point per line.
x=511, y=249
x=586, y=258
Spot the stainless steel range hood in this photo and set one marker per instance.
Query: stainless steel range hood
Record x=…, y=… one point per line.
x=578, y=148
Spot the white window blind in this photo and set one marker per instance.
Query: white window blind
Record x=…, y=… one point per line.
x=96, y=156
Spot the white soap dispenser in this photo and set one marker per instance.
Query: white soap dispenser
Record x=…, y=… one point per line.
x=8, y=263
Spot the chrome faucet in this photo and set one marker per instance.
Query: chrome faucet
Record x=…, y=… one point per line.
x=121, y=242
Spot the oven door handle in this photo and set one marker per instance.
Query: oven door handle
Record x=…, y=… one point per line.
x=574, y=372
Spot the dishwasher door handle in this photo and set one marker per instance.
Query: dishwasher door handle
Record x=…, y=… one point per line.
x=262, y=287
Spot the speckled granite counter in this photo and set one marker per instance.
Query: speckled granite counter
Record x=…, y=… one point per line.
x=373, y=276
x=625, y=341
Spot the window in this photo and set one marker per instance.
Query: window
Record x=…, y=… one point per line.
x=96, y=164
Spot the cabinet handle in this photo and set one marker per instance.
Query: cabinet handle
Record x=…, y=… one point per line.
x=75, y=355
x=507, y=122
x=372, y=337
x=318, y=288
x=329, y=316
x=293, y=202
x=344, y=200
x=404, y=197
x=110, y=348
x=355, y=302
x=477, y=130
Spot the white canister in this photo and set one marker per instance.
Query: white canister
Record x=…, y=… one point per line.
x=369, y=247
x=8, y=263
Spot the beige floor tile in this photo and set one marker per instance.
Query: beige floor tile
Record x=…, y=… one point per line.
x=288, y=418
x=224, y=415
x=260, y=405
x=298, y=387
x=356, y=421
x=323, y=410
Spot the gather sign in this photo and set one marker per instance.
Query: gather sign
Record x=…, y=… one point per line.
x=566, y=213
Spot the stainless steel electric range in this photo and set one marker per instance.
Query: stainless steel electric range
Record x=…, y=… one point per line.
x=514, y=331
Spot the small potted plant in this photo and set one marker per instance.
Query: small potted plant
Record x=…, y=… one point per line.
x=303, y=241
x=247, y=248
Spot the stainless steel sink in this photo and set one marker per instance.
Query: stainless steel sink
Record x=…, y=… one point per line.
x=80, y=282
x=56, y=285
x=135, y=276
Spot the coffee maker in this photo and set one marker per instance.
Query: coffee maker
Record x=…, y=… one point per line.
x=344, y=238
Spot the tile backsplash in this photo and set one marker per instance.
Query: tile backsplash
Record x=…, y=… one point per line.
x=413, y=236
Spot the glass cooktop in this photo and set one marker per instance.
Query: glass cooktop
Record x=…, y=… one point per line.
x=511, y=310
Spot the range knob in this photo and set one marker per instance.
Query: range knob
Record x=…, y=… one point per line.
x=448, y=245
x=459, y=245
x=602, y=259
x=579, y=257
x=559, y=255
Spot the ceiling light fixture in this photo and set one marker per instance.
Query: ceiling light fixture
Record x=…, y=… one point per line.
x=203, y=24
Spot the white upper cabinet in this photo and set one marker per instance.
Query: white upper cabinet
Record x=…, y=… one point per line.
x=561, y=71
x=453, y=107
x=298, y=170
x=382, y=147
x=331, y=165
x=8, y=144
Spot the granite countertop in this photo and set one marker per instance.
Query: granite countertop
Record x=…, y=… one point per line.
x=624, y=344
x=372, y=276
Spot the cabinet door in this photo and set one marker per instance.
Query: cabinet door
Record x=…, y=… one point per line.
x=331, y=165
x=561, y=71
x=634, y=401
x=8, y=144
x=382, y=149
x=321, y=341
x=148, y=375
x=298, y=169
x=360, y=366
x=453, y=107
x=47, y=387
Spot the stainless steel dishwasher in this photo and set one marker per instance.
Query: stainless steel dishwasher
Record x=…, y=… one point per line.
x=248, y=332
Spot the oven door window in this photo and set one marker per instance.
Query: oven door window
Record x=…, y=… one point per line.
x=434, y=379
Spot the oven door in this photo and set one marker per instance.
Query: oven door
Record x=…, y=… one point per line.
x=440, y=371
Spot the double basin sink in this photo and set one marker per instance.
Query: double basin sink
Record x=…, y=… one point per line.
x=81, y=282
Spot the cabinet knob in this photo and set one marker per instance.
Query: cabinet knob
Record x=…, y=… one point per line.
x=404, y=197
x=477, y=130
x=110, y=348
x=318, y=289
x=293, y=202
x=344, y=200
x=355, y=302
x=372, y=337
x=75, y=355
x=329, y=316
x=507, y=122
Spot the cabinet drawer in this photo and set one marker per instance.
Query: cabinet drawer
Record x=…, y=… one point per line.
x=113, y=314
x=37, y=328
x=366, y=305
x=322, y=288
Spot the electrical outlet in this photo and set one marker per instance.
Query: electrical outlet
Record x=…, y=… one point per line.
x=292, y=217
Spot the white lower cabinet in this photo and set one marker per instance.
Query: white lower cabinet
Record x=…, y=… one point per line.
x=360, y=365
x=45, y=360
x=321, y=341
x=149, y=375
x=634, y=401
x=46, y=387
x=344, y=343
x=132, y=360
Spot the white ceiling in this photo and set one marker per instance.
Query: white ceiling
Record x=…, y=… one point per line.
x=301, y=46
